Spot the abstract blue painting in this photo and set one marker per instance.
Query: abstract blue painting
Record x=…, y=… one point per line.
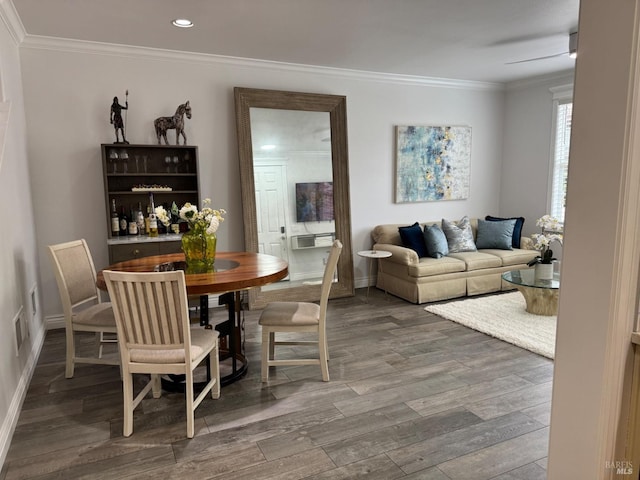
x=432, y=163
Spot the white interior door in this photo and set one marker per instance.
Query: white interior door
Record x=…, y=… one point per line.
x=271, y=195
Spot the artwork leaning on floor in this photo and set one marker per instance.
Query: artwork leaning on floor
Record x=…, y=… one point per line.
x=432, y=163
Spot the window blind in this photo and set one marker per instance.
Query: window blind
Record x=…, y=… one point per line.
x=561, y=158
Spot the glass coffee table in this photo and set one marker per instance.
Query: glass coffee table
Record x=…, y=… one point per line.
x=541, y=295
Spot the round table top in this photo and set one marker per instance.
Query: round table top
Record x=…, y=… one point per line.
x=374, y=253
x=527, y=278
x=233, y=271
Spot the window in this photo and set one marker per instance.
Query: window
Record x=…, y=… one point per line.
x=560, y=153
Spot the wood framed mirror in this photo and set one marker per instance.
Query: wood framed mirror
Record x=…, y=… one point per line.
x=294, y=175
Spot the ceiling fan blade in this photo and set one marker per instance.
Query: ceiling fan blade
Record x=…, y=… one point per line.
x=538, y=58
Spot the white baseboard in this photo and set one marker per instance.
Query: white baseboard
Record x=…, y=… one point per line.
x=363, y=282
x=11, y=419
x=54, y=321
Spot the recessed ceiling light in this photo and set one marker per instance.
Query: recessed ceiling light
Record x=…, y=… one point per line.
x=182, y=23
x=268, y=147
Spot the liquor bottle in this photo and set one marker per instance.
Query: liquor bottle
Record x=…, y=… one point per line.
x=153, y=221
x=115, y=220
x=124, y=223
x=140, y=220
x=133, y=224
x=161, y=228
x=146, y=220
x=175, y=214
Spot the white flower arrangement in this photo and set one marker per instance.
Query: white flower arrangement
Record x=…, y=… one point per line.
x=162, y=215
x=551, y=228
x=549, y=224
x=207, y=219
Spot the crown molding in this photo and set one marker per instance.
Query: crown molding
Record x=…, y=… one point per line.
x=565, y=77
x=560, y=92
x=11, y=19
x=38, y=42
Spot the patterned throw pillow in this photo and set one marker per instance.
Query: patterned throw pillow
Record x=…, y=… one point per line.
x=459, y=235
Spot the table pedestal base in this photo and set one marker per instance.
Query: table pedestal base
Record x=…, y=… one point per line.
x=540, y=301
x=231, y=343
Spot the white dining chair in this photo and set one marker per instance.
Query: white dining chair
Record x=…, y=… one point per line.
x=84, y=310
x=299, y=317
x=155, y=337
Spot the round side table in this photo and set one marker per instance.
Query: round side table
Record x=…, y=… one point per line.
x=371, y=254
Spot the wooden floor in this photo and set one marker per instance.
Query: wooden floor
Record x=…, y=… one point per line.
x=411, y=396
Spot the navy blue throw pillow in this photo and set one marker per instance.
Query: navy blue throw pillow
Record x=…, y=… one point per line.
x=517, y=229
x=413, y=238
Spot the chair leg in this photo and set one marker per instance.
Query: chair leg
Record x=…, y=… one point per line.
x=127, y=390
x=326, y=348
x=99, y=343
x=156, y=388
x=188, y=385
x=272, y=345
x=214, y=366
x=71, y=353
x=324, y=356
x=266, y=349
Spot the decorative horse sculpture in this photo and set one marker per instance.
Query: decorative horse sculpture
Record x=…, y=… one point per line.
x=162, y=124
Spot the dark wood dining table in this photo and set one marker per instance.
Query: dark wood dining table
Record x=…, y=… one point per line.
x=233, y=273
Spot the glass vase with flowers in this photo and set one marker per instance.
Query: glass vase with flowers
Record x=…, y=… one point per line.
x=199, y=242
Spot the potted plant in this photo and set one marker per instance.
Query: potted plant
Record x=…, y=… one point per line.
x=551, y=229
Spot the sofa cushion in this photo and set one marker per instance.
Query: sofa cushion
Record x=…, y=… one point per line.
x=493, y=234
x=478, y=260
x=517, y=228
x=435, y=241
x=436, y=266
x=516, y=256
x=413, y=238
x=459, y=235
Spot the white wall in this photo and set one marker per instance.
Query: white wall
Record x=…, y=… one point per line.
x=68, y=94
x=18, y=270
x=524, y=190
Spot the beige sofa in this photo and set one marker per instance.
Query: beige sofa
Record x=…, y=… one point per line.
x=421, y=280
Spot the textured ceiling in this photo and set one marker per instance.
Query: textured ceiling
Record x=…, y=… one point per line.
x=457, y=39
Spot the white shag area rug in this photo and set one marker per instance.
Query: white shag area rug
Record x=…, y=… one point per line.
x=503, y=316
